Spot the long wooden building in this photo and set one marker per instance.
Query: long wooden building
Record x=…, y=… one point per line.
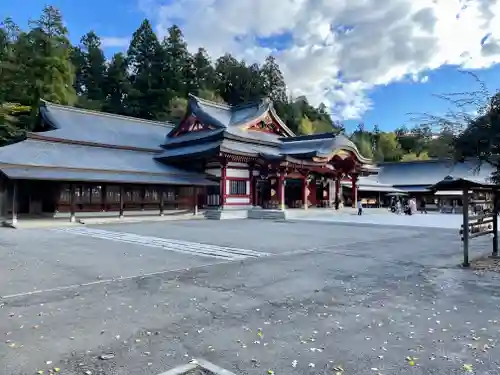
x=218, y=156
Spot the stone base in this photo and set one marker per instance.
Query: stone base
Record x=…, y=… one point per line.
x=267, y=214
x=226, y=214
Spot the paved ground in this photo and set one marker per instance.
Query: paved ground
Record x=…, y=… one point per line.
x=376, y=216
x=323, y=295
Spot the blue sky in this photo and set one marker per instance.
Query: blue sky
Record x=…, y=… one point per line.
x=392, y=103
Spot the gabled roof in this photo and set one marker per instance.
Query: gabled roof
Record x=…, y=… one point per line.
x=452, y=183
x=297, y=149
x=319, y=145
x=429, y=172
x=37, y=159
x=234, y=118
x=81, y=125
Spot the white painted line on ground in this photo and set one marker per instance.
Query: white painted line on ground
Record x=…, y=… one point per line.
x=108, y=281
x=163, y=272
x=185, y=247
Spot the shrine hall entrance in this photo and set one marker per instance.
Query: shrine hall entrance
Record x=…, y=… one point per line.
x=293, y=193
x=264, y=194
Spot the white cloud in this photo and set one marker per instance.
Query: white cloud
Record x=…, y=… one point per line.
x=115, y=42
x=365, y=42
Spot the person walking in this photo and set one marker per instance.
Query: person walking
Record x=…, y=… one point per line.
x=360, y=207
x=423, y=208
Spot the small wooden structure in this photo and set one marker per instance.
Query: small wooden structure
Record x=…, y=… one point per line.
x=478, y=224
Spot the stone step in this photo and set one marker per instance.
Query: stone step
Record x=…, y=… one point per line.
x=226, y=214
x=260, y=214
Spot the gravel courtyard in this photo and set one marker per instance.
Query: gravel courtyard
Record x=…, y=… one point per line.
x=249, y=296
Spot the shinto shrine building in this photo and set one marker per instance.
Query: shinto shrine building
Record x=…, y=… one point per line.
x=225, y=157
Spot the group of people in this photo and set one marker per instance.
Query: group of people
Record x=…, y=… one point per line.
x=408, y=206
x=398, y=206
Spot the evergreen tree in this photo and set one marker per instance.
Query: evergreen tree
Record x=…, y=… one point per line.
x=204, y=72
x=116, y=85
x=273, y=81
x=94, y=69
x=228, y=71
x=148, y=96
x=44, y=54
x=180, y=74
x=77, y=57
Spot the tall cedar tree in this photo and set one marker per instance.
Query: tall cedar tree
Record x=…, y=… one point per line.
x=274, y=82
x=204, y=72
x=94, y=70
x=180, y=74
x=47, y=67
x=148, y=96
x=117, y=85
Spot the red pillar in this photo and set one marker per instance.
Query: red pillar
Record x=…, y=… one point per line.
x=305, y=191
x=223, y=178
x=354, y=186
x=255, y=191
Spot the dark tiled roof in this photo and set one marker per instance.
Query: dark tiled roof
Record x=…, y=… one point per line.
x=296, y=148
x=222, y=145
x=74, y=124
x=30, y=154
x=429, y=172
x=321, y=145
x=40, y=173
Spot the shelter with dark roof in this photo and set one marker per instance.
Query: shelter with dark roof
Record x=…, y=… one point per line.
x=418, y=178
x=218, y=155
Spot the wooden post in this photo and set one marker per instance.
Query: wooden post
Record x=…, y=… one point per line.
x=281, y=189
x=162, y=201
x=465, y=214
x=121, y=201
x=72, y=203
x=354, y=193
x=14, y=202
x=195, y=200
x=495, y=224
x=305, y=193
x=337, y=192
x=104, y=198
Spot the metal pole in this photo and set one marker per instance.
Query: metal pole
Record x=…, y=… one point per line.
x=495, y=224
x=465, y=214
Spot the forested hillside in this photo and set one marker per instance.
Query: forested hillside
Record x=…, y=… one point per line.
x=152, y=80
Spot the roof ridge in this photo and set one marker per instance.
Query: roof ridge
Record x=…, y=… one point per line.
x=106, y=114
x=209, y=102
x=263, y=100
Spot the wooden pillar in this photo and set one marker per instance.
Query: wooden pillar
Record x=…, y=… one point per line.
x=465, y=215
x=281, y=189
x=337, y=192
x=104, y=197
x=305, y=193
x=252, y=187
x=14, y=202
x=195, y=200
x=223, y=179
x=72, y=203
x=354, y=186
x=494, y=253
x=162, y=201
x=122, y=200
